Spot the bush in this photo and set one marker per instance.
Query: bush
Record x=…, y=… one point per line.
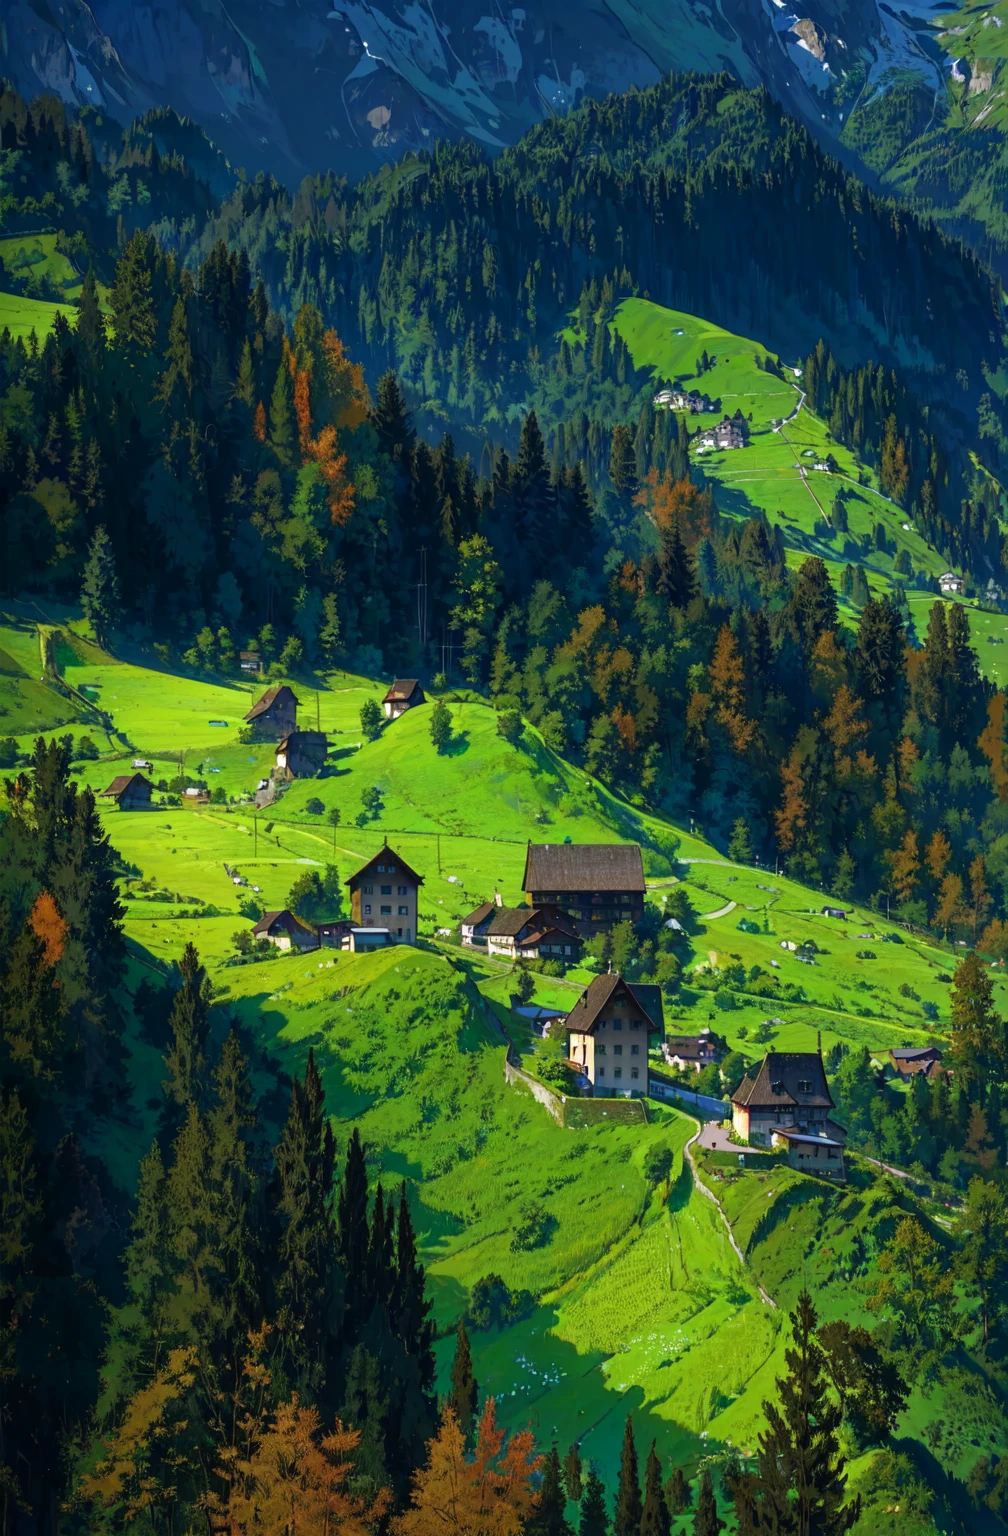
x=440, y=725
x=929, y=1010
x=315, y=806
x=724, y=999
x=866, y=954
x=87, y=751
x=492, y=1304
x=371, y=718
x=218, y=795
x=242, y=941
x=535, y=1228
x=509, y=726
x=8, y=752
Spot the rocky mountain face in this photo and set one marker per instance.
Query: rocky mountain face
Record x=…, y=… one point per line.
x=294, y=85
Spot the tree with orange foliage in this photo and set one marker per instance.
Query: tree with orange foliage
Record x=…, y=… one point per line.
x=904, y=862
x=48, y=927
x=727, y=678
x=294, y=1481
x=951, y=911
x=491, y=1495
x=845, y=727
x=937, y=854
x=981, y=900
x=792, y=817
x=259, y=423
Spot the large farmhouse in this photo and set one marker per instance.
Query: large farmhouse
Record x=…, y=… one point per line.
x=607, y=1033
x=786, y=1103
x=598, y=884
x=384, y=893
x=274, y=716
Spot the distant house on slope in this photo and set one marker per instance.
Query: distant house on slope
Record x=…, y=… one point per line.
x=474, y=927
x=274, y=716
x=786, y=1103
x=130, y=791
x=537, y=933
x=403, y=695
x=301, y=755
x=384, y=893
x=607, y=1033
x=285, y=931
x=598, y=884
x=913, y=1061
x=692, y=1051
x=952, y=584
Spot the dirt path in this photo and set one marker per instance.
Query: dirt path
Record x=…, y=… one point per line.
x=765, y=1296
x=706, y=917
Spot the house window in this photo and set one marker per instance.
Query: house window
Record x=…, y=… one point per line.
x=402, y=890
x=617, y=1050
x=367, y=910
x=386, y=890
x=804, y=1087
x=635, y=1023
x=617, y=1023
x=618, y=1072
x=635, y=1050
x=404, y=911
x=368, y=890
x=635, y=1072
x=620, y=1002
x=600, y=1050
x=601, y=1071
x=386, y=911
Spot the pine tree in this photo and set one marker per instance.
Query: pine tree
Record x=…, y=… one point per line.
x=549, y=1516
x=706, y=1521
x=628, y=1497
x=90, y=329
x=352, y=1237
x=655, y=1519
x=594, y=1520
x=305, y=1242
x=366, y=1406
x=175, y=386
x=572, y=1473
x=100, y=587
x=390, y=420
x=409, y=1308
x=676, y=576
x=463, y=1398
x=131, y=299
x=283, y=428
x=235, y=1179
x=189, y=1023
x=245, y=390
x=677, y=1493
x=800, y=1482
x=379, y=1257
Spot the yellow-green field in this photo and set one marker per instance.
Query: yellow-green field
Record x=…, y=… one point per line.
x=22, y=316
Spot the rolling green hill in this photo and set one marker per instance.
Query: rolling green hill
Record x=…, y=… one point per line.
x=21, y=316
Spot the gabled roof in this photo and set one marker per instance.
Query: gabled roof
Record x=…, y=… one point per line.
x=916, y=1053
x=403, y=688
x=282, y=919
x=381, y=856
x=775, y=1083
x=583, y=867
x=480, y=915
x=509, y=922
x=596, y=998
x=269, y=698
x=123, y=781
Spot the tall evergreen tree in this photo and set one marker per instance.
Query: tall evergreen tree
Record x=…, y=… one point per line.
x=549, y=1513
x=594, y=1520
x=99, y=594
x=628, y=1496
x=409, y=1308
x=706, y=1521
x=464, y=1396
x=304, y=1165
x=676, y=576
x=572, y=1473
x=655, y=1519
x=352, y=1237
x=283, y=427
x=379, y=1257
x=189, y=1024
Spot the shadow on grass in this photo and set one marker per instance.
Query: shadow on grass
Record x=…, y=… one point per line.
x=456, y=745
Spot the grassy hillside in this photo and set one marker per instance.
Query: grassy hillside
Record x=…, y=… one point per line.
x=21, y=316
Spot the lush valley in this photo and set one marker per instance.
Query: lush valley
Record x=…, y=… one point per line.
x=459, y=422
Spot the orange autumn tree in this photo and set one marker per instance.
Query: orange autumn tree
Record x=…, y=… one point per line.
x=329, y=390
x=490, y=1495
x=665, y=500
x=904, y=862
x=727, y=680
x=48, y=927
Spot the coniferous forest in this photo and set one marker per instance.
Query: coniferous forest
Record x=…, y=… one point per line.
x=394, y=429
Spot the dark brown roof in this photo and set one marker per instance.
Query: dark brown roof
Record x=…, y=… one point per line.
x=383, y=853
x=775, y=1084
x=583, y=867
x=480, y=915
x=511, y=920
x=123, y=781
x=402, y=688
x=596, y=998
x=916, y=1053
x=283, y=919
x=269, y=698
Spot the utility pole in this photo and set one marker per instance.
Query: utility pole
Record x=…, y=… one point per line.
x=318, y=716
x=439, y=853
x=255, y=836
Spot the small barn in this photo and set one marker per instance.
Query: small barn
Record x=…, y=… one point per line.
x=130, y=791
x=332, y=934
x=363, y=940
x=285, y=931
x=403, y=695
x=274, y=716
x=301, y=755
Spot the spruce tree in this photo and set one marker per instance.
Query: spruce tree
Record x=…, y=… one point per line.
x=655, y=1520
x=283, y=428
x=90, y=329
x=676, y=577
x=99, y=594
x=244, y=389
x=305, y=1241
x=800, y=1481
x=594, y=1520
x=464, y=1397
x=409, y=1308
x=390, y=420
x=677, y=1493
x=549, y=1517
x=572, y=1473
x=379, y=1258
x=235, y=1168
x=352, y=1238
x=189, y=1023
x=628, y=1496
x=706, y=1521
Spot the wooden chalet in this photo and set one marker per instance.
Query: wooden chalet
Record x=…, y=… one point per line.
x=692, y=1051
x=301, y=755
x=285, y=931
x=786, y=1103
x=385, y=893
x=537, y=933
x=597, y=884
x=274, y=716
x=403, y=695
x=474, y=927
x=923, y=1061
x=608, y=1030
x=130, y=791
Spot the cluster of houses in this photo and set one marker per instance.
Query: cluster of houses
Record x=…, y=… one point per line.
x=732, y=432
x=683, y=400
x=384, y=897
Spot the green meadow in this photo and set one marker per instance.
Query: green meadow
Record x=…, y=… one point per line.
x=21, y=316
